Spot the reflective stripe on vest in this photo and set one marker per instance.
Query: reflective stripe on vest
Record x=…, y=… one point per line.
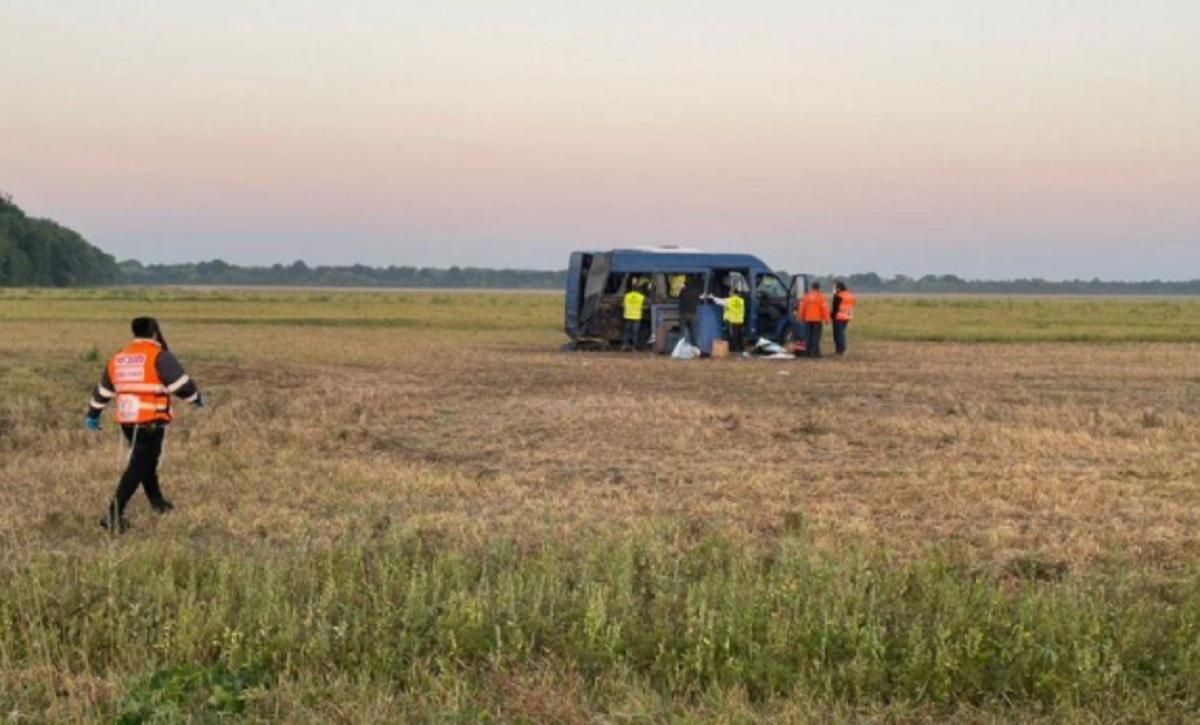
x=845, y=306
x=735, y=310
x=151, y=388
x=141, y=396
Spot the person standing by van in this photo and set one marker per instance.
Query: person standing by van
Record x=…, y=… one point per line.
x=634, y=303
x=677, y=281
x=734, y=317
x=842, y=312
x=813, y=314
x=689, y=304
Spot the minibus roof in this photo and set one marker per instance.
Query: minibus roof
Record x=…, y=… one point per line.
x=681, y=261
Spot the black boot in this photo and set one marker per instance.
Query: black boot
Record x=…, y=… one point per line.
x=161, y=505
x=114, y=522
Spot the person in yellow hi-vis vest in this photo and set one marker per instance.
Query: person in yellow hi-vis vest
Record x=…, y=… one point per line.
x=677, y=281
x=735, y=318
x=634, y=304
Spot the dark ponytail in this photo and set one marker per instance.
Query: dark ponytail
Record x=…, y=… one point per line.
x=147, y=328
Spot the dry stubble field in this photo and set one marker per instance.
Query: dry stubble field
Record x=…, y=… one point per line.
x=961, y=444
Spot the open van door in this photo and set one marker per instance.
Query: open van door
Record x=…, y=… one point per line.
x=798, y=289
x=770, y=305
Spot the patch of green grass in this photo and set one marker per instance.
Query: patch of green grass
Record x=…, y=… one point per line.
x=188, y=691
x=688, y=623
x=1021, y=319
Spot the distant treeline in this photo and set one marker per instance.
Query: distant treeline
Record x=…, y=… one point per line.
x=40, y=253
x=950, y=284
x=300, y=274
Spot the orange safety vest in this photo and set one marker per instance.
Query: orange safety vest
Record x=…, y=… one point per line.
x=141, y=396
x=813, y=307
x=845, y=311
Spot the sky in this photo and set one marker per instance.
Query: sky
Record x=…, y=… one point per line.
x=1047, y=138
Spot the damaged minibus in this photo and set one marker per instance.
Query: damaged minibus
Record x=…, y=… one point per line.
x=676, y=278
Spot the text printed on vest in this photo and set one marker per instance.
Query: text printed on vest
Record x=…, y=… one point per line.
x=129, y=369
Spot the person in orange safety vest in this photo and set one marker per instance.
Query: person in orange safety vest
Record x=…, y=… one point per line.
x=813, y=313
x=842, y=312
x=141, y=377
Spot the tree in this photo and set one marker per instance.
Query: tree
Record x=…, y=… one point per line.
x=43, y=253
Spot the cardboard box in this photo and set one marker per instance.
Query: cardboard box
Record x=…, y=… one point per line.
x=720, y=348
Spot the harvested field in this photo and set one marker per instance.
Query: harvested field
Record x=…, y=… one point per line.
x=1017, y=456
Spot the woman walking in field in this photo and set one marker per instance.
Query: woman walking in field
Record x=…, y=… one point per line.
x=142, y=377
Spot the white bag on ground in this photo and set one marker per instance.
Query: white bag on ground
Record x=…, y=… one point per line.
x=685, y=351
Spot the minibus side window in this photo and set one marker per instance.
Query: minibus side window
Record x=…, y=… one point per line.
x=615, y=284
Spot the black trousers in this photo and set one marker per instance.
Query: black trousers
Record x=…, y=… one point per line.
x=687, y=326
x=812, y=339
x=737, y=342
x=147, y=442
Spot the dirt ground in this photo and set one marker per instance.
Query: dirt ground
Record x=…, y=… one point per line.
x=1073, y=456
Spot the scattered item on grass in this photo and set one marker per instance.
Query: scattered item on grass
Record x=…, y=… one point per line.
x=767, y=347
x=685, y=351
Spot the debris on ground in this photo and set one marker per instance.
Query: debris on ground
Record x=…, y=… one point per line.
x=771, y=350
x=684, y=350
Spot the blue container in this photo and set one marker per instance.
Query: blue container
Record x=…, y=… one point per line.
x=708, y=327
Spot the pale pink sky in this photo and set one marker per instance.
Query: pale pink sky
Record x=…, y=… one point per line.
x=1054, y=139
